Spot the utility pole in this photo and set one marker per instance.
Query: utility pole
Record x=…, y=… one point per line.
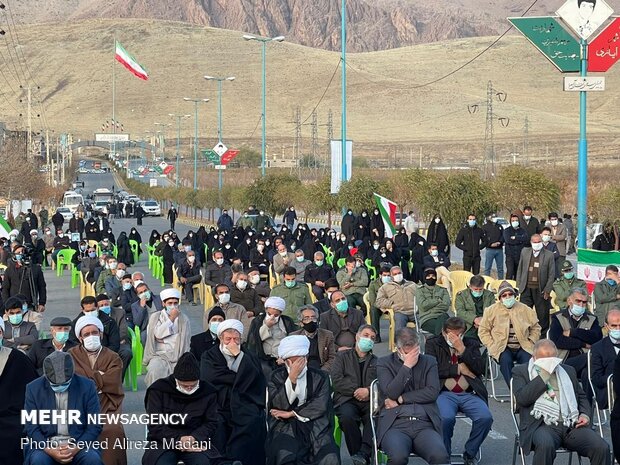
x=489, y=142
x=29, y=123
x=47, y=156
x=315, y=141
x=526, y=131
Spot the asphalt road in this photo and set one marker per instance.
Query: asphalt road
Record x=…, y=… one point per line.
x=62, y=300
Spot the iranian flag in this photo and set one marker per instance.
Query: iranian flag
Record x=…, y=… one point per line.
x=130, y=62
x=591, y=265
x=388, y=213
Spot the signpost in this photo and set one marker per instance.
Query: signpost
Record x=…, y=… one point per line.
x=546, y=33
x=211, y=156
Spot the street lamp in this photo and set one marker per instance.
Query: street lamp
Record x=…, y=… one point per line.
x=162, y=139
x=196, y=102
x=179, y=118
x=220, y=175
x=264, y=41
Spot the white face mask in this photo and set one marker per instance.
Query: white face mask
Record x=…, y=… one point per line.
x=398, y=278
x=273, y=318
x=191, y=259
x=537, y=246
x=242, y=284
x=187, y=391
x=92, y=343
x=255, y=279
x=554, y=222
x=223, y=298
x=219, y=261
x=283, y=254
x=225, y=350
x=437, y=220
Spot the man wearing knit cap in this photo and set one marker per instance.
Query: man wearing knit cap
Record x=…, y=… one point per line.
x=59, y=340
x=16, y=372
x=238, y=378
x=182, y=392
x=266, y=332
x=105, y=368
x=168, y=336
x=300, y=410
x=57, y=389
x=202, y=342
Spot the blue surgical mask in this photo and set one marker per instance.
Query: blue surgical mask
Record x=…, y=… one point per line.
x=471, y=223
x=18, y=257
x=611, y=282
x=24, y=308
x=318, y=262
x=213, y=327
x=509, y=302
x=614, y=334
x=106, y=309
x=477, y=293
x=146, y=295
x=342, y=306
x=386, y=279
x=577, y=310
x=126, y=286
x=92, y=254
x=188, y=248
x=289, y=284
x=16, y=319
x=60, y=387
x=61, y=337
x=514, y=224
x=365, y=344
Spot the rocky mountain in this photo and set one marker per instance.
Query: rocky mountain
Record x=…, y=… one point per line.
x=372, y=24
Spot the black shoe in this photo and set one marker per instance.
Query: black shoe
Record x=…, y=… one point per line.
x=467, y=460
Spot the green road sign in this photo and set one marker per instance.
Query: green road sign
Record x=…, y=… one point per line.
x=158, y=169
x=553, y=41
x=211, y=156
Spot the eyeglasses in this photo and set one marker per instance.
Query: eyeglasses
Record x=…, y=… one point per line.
x=579, y=301
x=308, y=319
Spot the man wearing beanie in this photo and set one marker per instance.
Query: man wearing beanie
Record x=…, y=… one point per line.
x=238, y=378
x=202, y=342
x=300, y=410
x=16, y=372
x=57, y=389
x=183, y=392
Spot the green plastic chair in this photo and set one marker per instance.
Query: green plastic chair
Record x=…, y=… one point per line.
x=75, y=276
x=131, y=376
x=115, y=251
x=371, y=269
x=337, y=432
x=135, y=250
x=138, y=354
x=150, y=250
x=63, y=259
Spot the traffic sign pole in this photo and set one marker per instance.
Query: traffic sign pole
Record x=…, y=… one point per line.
x=582, y=164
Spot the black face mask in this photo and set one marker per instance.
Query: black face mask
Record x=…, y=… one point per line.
x=430, y=281
x=310, y=327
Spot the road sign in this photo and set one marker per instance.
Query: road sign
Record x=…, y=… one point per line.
x=159, y=170
x=585, y=16
x=163, y=165
x=211, y=156
x=228, y=156
x=168, y=169
x=552, y=40
x=586, y=84
x=603, y=51
x=220, y=167
x=220, y=149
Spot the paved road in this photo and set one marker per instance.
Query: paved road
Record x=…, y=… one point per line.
x=63, y=300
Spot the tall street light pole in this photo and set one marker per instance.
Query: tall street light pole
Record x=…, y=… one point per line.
x=178, y=118
x=344, y=91
x=196, y=101
x=264, y=41
x=220, y=175
x=162, y=138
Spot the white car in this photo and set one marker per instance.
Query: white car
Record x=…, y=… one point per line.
x=66, y=213
x=151, y=208
x=101, y=206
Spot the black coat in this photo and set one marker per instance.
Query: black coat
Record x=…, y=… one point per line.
x=124, y=251
x=438, y=348
x=346, y=376
x=316, y=273
x=377, y=227
x=254, y=343
x=201, y=342
x=18, y=281
x=471, y=240
x=347, y=226
x=603, y=356
x=41, y=349
x=111, y=335
x=437, y=234
x=162, y=397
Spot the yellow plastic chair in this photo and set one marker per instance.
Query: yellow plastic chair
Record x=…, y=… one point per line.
x=367, y=303
x=200, y=288
x=312, y=296
x=488, y=281
x=554, y=305
x=459, y=280
x=209, y=300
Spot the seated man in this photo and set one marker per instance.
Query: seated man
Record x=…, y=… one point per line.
x=300, y=264
x=183, y=391
x=112, y=285
x=300, y=410
x=324, y=305
x=509, y=330
x=261, y=287
x=317, y=274
x=59, y=340
x=18, y=334
x=189, y=274
x=353, y=281
x=553, y=409
x=607, y=292
x=439, y=261
x=604, y=352
x=352, y=373
x=343, y=321
x=566, y=283
x=141, y=310
x=383, y=277
x=201, y=342
x=461, y=368
x=408, y=389
x=399, y=295
x=245, y=295
x=104, y=367
x=470, y=304
x=118, y=315
x=232, y=310
x=573, y=331
x=57, y=389
x=240, y=384
x=433, y=303
x=294, y=293
x=111, y=336
x=322, y=348
x=217, y=271
x=168, y=336
x=267, y=331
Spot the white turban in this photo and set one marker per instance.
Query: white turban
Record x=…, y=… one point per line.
x=86, y=321
x=229, y=324
x=293, y=346
x=33, y=231
x=169, y=294
x=275, y=302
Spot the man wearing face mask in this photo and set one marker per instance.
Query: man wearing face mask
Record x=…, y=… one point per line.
x=604, y=354
x=509, y=330
x=399, y=295
x=352, y=373
x=189, y=275
x=111, y=336
x=384, y=277
x=283, y=259
x=25, y=280
x=529, y=222
x=343, y=321
x=243, y=294
x=168, y=337
x=439, y=261
x=567, y=282
x=471, y=240
x=559, y=235
x=353, y=281
x=60, y=327
x=232, y=310
x=516, y=239
x=59, y=388
x=183, y=391
x=461, y=367
x=322, y=352
x=217, y=271
x=535, y=277
x=109, y=272
x=554, y=411
x=118, y=315
x=573, y=330
x=225, y=222
x=267, y=331
x=324, y=305
x=550, y=245
x=471, y=303
x=261, y=287
x=433, y=303
x=172, y=216
x=409, y=420
x=104, y=368
x=295, y=294
x=289, y=217
x=300, y=264
x=16, y=372
x=202, y=342
x=18, y=334
x=607, y=292
x=240, y=384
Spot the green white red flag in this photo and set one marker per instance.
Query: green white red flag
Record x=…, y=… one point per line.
x=591, y=265
x=387, y=208
x=130, y=62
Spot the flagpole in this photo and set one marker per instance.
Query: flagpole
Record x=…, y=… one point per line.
x=114, y=98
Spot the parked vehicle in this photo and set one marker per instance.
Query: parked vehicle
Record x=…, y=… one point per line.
x=151, y=207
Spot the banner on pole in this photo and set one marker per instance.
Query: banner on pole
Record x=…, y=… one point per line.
x=591, y=265
x=336, y=158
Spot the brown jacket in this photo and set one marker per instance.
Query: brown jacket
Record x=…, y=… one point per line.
x=327, y=348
